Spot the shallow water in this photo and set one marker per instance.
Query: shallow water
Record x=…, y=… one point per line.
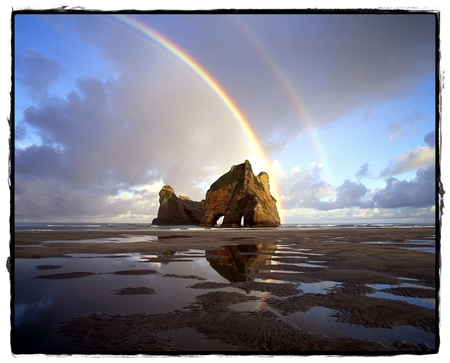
x=426, y=303
x=421, y=245
x=320, y=320
x=41, y=304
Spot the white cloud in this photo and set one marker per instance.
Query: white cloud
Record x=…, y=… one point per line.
x=420, y=157
x=360, y=215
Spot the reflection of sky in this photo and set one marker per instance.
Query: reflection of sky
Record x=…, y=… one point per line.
x=23, y=311
x=318, y=287
x=320, y=320
x=40, y=304
x=426, y=303
x=430, y=245
x=121, y=239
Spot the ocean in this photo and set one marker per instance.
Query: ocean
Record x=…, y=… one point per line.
x=60, y=226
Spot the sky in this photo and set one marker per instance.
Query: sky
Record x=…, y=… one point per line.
x=339, y=109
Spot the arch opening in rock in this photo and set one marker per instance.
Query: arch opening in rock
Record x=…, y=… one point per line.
x=218, y=220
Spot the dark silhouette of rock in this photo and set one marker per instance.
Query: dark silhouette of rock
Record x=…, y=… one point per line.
x=239, y=194
x=178, y=210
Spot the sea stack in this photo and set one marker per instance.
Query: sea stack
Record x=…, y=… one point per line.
x=239, y=194
x=180, y=210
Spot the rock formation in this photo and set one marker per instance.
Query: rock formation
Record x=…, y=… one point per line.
x=239, y=193
x=178, y=210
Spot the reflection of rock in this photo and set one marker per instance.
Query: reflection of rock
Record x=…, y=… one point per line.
x=232, y=262
x=240, y=194
x=177, y=210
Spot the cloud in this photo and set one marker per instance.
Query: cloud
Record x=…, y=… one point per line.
x=304, y=188
x=420, y=157
x=430, y=139
x=109, y=137
x=397, y=201
x=363, y=172
x=349, y=194
x=361, y=215
x=152, y=121
x=355, y=68
x=37, y=72
x=419, y=192
x=405, y=127
x=340, y=60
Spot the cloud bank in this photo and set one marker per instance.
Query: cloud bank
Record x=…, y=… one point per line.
x=103, y=148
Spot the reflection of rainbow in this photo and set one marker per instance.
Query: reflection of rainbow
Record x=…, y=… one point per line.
x=218, y=90
x=283, y=81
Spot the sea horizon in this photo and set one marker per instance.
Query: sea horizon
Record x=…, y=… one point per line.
x=60, y=226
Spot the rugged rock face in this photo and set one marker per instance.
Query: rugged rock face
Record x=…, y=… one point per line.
x=177, y=210
x=239, y=193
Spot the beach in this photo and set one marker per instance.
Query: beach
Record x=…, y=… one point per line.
x=299, y=291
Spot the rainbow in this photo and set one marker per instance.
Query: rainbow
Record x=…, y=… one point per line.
x=285, y=84
x=244, y=124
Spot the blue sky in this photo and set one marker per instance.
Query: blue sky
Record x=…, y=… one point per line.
x=343, y=106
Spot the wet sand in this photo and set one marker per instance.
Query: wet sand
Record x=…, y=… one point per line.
x=354, y=258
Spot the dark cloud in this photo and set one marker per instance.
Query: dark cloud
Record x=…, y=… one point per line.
x=154, y=121
x=349, y=194
x=107, y=138
x=314, y=193
x=430, y=139
x=419, y=192
x=363, y=172
x=37, y=72
x=341, y=68
x=335, y=60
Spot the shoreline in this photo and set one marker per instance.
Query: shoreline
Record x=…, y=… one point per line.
x=29, y=243
x=358, y=264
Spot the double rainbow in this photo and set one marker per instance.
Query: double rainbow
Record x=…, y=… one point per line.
x=286, y=85
x=244, y=124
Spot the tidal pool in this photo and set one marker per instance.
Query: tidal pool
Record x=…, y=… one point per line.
x=422, y=245
x=321, y=320
x=52, y=291
x=426, y=303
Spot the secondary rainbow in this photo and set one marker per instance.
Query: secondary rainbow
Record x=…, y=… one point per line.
x=215, y=86
x=286, y=86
